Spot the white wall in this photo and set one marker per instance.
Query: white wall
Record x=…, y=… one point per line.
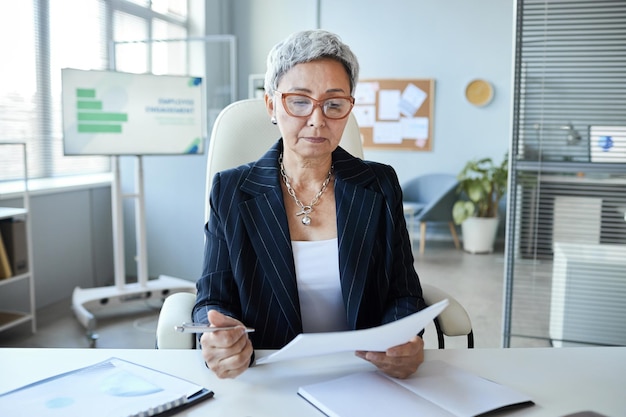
x=174, y=214
x=452, y=42
x=258, y=25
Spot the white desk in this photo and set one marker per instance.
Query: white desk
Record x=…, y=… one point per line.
x=560, y=381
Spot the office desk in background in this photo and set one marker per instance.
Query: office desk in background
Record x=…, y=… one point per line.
x=560, y=381
x=570, y=208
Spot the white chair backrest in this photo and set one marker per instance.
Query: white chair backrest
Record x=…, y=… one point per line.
x=243, y=132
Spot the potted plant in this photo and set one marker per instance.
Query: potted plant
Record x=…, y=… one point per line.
x=482, y=184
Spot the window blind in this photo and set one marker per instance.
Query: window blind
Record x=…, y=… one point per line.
x=77, y=43
x=39, y=38
x=566, y=231
x=18, y=83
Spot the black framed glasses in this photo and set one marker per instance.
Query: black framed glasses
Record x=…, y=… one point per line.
x=300, y=105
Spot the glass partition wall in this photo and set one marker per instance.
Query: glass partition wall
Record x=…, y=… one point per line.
x=565, y=274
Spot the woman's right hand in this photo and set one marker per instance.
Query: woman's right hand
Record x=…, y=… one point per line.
x=226, y=352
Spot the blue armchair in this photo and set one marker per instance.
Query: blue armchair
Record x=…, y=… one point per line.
x=429, y=198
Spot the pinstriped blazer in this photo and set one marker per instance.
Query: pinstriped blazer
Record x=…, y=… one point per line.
x=248, y=270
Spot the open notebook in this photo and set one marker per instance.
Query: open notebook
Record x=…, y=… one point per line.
x=436, y=390
x=111, y=388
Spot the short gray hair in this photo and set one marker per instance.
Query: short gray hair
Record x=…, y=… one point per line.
x=307, y=46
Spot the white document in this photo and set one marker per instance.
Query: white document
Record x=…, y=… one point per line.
x=387, y=132
x=114, y=387
x=438, y=389
x=377, y=339
x=365, y=115
x=388, y=105
x=414, y=127
x=411, y=100
x=365, y=92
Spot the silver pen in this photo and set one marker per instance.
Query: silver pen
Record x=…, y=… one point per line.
x=204, y=328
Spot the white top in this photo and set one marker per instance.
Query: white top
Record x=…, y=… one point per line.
x=319, y=289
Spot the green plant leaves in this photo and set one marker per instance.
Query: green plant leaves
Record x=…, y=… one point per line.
x=483, y=183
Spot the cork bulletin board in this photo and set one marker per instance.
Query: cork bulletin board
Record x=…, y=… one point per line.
x=396, y=114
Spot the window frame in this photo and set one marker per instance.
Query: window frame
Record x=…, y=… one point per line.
x=43, y=161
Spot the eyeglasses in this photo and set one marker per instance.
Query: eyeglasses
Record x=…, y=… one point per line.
x=300, y=105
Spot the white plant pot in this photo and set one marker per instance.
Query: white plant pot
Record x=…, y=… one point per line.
x=479, y=234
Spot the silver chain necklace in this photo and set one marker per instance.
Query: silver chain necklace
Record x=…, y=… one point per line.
x=304, y=210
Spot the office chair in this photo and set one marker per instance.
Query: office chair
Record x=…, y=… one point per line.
x=453, y=321
x=429, y=198
x=242, y=133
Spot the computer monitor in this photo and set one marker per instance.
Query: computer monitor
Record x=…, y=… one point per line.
x=607, y=144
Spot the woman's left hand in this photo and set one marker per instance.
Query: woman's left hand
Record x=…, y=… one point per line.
x=399, y=361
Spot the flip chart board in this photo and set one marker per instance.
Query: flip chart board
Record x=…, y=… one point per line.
x=117, y=113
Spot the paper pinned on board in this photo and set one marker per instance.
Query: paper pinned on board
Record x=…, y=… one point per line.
x=377, y=339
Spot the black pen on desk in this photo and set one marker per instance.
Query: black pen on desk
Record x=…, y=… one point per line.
x=204, y=328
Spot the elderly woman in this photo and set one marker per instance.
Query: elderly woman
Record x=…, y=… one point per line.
x=308, y=238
